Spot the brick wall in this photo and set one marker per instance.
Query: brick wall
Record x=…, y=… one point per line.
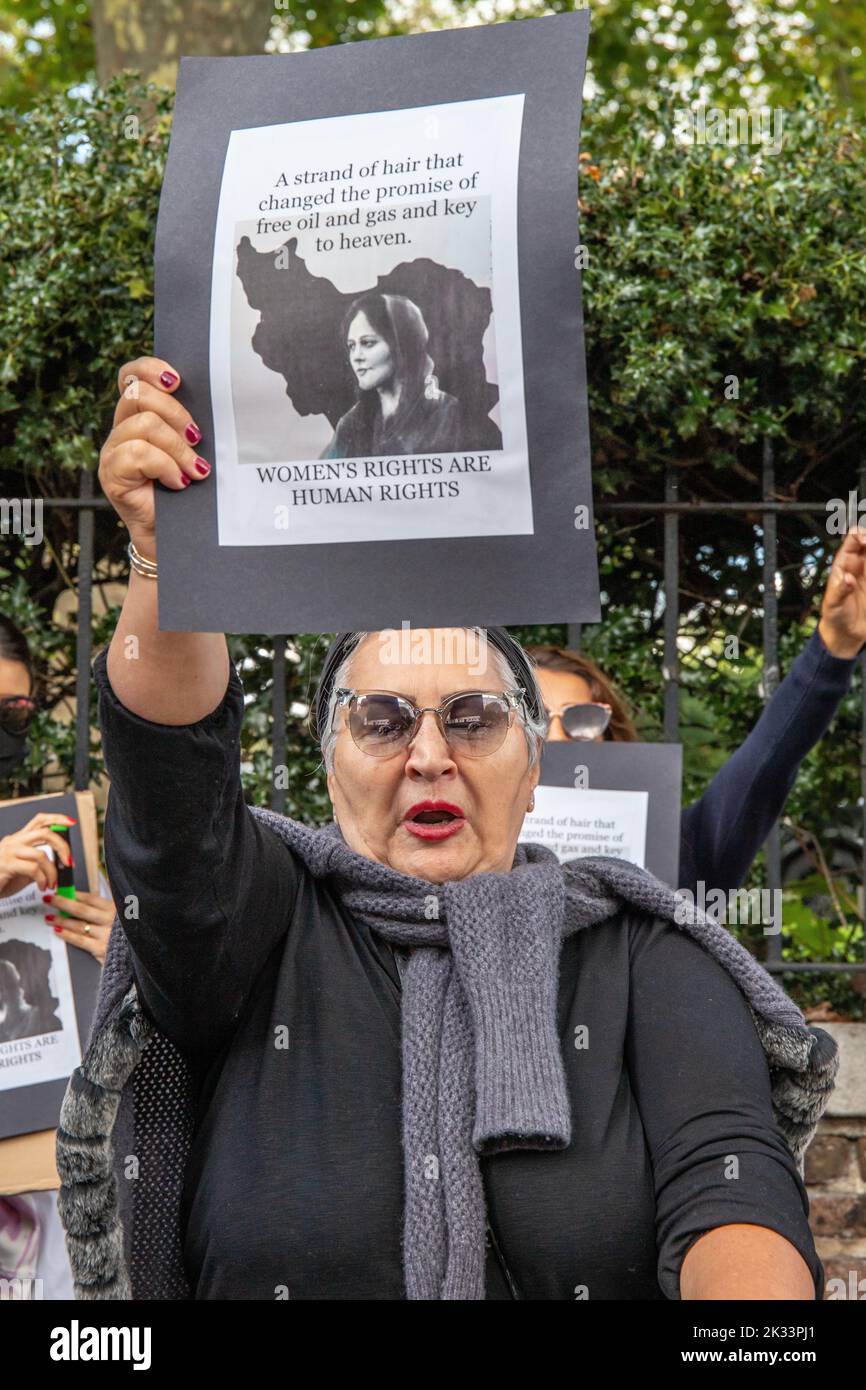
x=835, y=1171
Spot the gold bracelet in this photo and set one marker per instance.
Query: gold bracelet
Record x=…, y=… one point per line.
x=140, y=563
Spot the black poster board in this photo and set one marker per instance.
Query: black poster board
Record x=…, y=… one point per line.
x=477, y=512
x=582, y=772
x=28, y=1106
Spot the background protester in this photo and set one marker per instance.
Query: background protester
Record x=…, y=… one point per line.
x=723, y=830
x=89, y=916
x=31, y=1238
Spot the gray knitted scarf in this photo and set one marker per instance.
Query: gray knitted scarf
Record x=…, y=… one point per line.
x=482, y=1063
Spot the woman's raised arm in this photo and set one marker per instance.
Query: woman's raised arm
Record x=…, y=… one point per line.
x=202, y=889
x=167, y=677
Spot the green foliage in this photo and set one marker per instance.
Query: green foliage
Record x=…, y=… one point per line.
x=760, y=51
x=79, y=189
x=753, y=51
x=47, y=48
x=332, y=21
x=699, y=259
x=306, y=796
x=725, y=302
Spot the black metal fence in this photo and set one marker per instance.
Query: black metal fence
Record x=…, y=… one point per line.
x=671, y=509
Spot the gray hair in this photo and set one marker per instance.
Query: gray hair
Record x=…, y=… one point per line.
x=534, y=729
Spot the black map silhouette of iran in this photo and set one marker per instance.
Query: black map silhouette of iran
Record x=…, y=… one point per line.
x=299, y=334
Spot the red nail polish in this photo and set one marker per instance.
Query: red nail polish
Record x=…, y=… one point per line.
x=59, y=930
x=185, y=480
x=49, y=917
x=193, y=433
x=168, y=378
x=203, y=467
x=47, y=897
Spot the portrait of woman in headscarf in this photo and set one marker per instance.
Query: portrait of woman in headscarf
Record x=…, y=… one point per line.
x=400, y=409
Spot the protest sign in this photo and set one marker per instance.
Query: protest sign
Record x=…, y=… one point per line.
x=618, y=799
x=47, y=989
x=368, y=276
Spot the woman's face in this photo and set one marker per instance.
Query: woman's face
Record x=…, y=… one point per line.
x=14, y=679
x=559, y=689
x=373, y=798
x=369, y=354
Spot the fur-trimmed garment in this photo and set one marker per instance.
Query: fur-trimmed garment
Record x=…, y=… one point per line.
x=482, y=1063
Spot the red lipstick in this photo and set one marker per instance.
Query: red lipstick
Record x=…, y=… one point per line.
x=434, y=820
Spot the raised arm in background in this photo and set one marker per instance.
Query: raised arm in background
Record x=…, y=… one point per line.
x=723, y=830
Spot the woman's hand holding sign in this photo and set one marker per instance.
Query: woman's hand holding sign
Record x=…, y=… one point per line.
x=166, y=677
x=23, y=859
x=84, y=921
x=152, y=438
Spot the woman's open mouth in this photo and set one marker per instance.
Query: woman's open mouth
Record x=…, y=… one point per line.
x=434, y=820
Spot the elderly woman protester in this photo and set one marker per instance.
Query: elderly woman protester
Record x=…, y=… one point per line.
x=402, y=1056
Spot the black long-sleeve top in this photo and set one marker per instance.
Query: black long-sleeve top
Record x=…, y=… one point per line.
x=294, y=1183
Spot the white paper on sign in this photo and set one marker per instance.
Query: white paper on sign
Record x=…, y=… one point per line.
x=38, y=1027
x=419, y=203
x=576, y=822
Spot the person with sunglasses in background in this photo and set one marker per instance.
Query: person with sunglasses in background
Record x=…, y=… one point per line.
x=725, y=828
x=88, y=915
x=31, y=1237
